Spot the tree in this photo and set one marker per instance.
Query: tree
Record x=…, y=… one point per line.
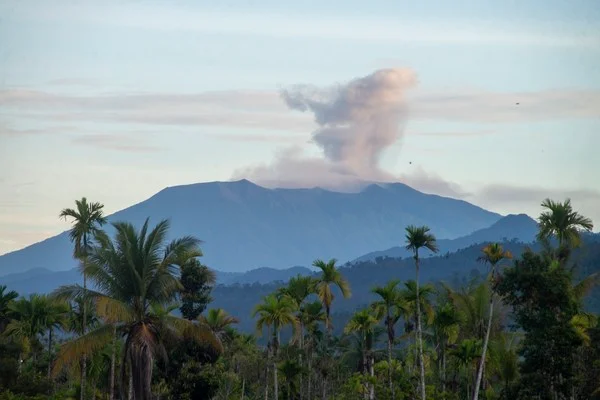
x=133, y=272
x=219, y=322
x=6, y=298
x=55, y=318
x=330, y=276
x=87, y=218
x=492, y=255
x=364, y=322
x=542, y=297
x=197, y=281
x=560, y=221
x=445, y=327
x=274, y=313
x=390, y=306
x=33, y=316
x=310, y=315
x=416, y=239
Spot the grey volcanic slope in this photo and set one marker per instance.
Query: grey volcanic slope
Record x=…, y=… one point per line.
x=246, y=226
x=516, y=228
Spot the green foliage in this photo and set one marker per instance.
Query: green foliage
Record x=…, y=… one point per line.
x=542, y=297
x=197, y=281
x=369, y=348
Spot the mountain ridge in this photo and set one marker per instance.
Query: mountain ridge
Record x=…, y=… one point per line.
x=513, y=227
x=245, y=226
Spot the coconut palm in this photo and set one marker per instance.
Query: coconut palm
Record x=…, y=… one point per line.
x=274, y=313
x=391, y=306
x=493, y=254
x=560, y=221
x=87, y=218
x=330, y=276
x=420, y=238
x=219, y=322
x=135, y=274
x=364, y=323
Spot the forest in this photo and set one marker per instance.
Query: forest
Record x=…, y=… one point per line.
x=142, y=324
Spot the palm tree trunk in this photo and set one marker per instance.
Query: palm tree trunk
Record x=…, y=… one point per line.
x=49, y=352
x=308, y=389
x=300, y=360
x=275, y=383
x=444, y=369
x=390, y=343
x=372, y=374
x=243, y=388
x=267, y=380
x=112, y=365
x=84, y=326
x=275, y=348
x=484, y=350
x=419, y=330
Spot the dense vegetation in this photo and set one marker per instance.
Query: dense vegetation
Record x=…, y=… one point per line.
x=146, y=328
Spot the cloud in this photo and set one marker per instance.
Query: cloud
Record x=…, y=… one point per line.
x=115, y=142
x=502, y=194
x=265, y=110
x=432, y=183
x=497, y=107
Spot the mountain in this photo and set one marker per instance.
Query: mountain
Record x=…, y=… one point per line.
x=265, y=275
x=519, y=228
x=240, y=294
x=246, y=226
x=41, y=280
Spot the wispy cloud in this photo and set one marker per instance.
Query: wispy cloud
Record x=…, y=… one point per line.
x=116, y=142
x=265, y=110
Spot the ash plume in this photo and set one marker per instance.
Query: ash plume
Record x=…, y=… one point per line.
x=357, y=121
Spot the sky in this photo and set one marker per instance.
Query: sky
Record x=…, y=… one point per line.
x=496, y=103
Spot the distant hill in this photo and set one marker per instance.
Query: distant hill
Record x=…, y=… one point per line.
x=246, y=226
x=41, y=280
x=240, y=293
x=516, y=228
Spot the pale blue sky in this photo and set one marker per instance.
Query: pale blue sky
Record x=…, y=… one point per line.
x=115, y=100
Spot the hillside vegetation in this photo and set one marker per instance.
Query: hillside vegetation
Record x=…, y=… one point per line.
x=491, y=321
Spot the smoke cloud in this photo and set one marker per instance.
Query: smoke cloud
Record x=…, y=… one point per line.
x=357, y=121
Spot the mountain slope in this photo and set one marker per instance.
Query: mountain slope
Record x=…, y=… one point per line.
x=520, y=228
x=246, y=226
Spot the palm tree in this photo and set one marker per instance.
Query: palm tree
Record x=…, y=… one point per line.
x=445, y=326
x=391, y=306
x=425, y=308
x=364, y=323
x=87, y=218
x=466, y=353
x=310, y=315
x=219, y=322
x=6, y=298
x=135, y=274
x=26, y=322
x=330, y=276
x=492, y=255
x=55, y=318
x=416, y=239
x=298, y=289
x=274, y=313
x=560, y=221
